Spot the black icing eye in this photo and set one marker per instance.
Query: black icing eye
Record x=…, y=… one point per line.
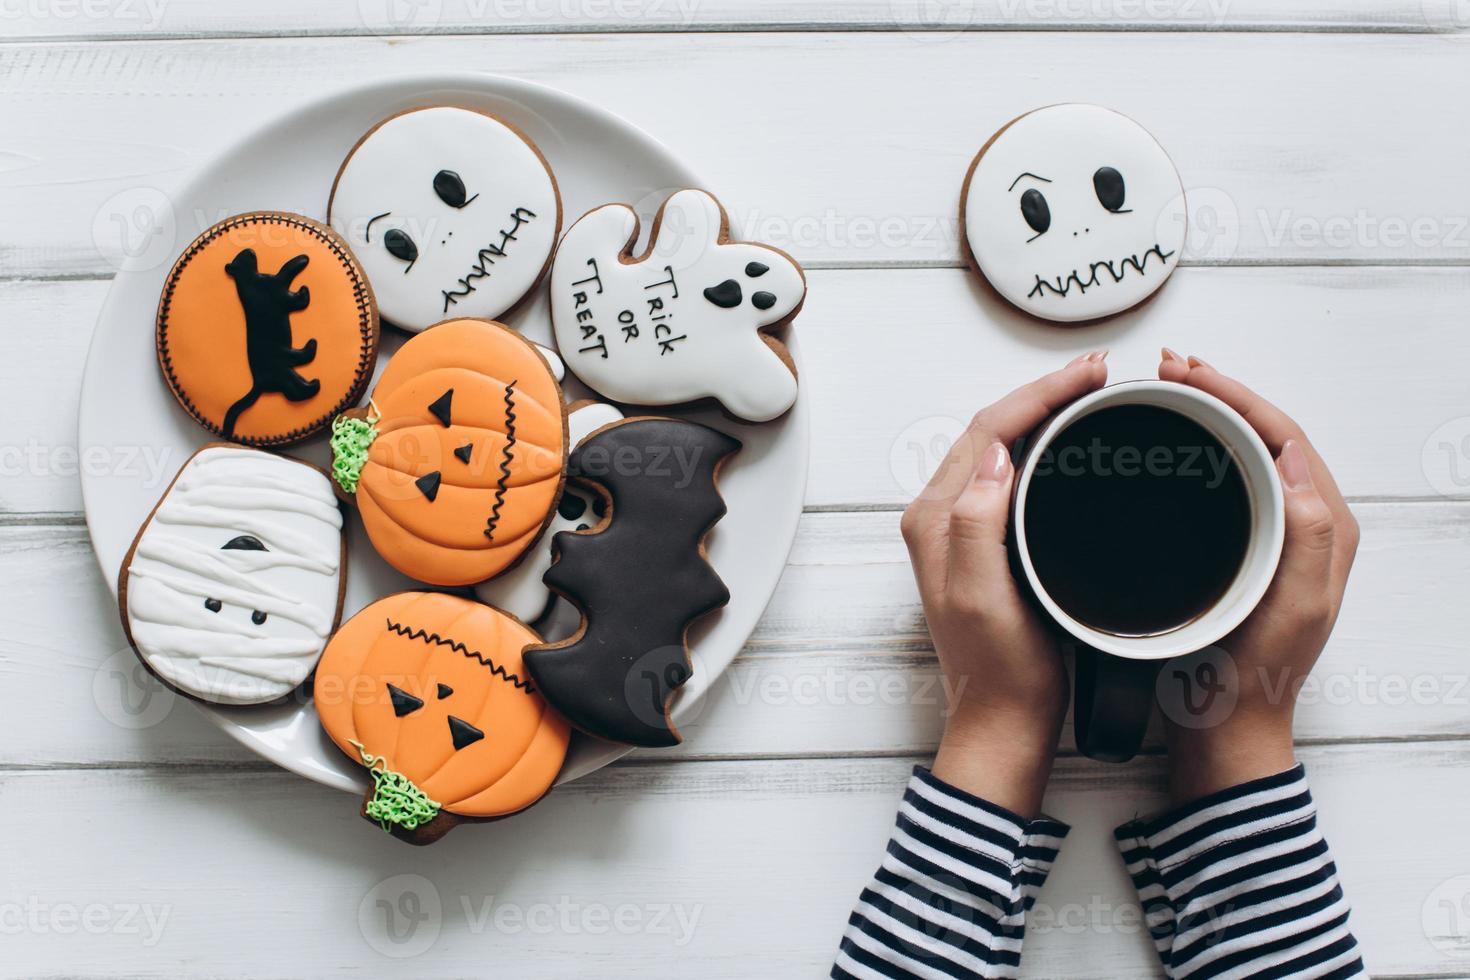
x=451, y=189
x=763, y=300
x=213, y=605
x=1108, y=184
x=245, y=542
x=572, y=507
x=258, y=618
x=400, y=246
x=756, y=269
x=1035, y=211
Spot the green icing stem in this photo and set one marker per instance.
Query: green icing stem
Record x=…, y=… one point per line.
x=350, y=440
x=396, y=800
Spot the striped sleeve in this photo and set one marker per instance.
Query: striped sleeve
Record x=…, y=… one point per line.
x=1241, y=884
x=951, y=896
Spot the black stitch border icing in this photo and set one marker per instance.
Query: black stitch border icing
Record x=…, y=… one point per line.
x=435, y=638
x=367, y=353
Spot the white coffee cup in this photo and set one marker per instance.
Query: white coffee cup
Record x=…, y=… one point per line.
x=1114, y=698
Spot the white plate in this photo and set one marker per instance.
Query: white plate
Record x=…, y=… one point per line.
x=288, y=165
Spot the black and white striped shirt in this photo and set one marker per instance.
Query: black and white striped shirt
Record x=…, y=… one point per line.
x=1238, y=884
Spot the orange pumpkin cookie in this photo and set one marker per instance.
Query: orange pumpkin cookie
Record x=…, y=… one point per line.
x=429, y=692
x=267, y=328
x=456, y=466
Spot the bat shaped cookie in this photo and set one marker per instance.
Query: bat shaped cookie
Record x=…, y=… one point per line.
x=684, y=321
x=640, y=578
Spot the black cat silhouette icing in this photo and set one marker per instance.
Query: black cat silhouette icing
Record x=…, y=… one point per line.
x=268, y=302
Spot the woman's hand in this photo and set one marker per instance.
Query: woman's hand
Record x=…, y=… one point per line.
x=1274, y=650
x=1005, y=672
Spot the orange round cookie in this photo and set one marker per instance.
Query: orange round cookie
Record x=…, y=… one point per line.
x=428, y=691
x=457, y=463
x=267, y=328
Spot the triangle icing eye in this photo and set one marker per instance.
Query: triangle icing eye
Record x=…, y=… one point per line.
x=463, y=452
x=403, y=702
x=428, y=485
x=444, y=691
x=440, y=407
x=463, y=733
x=450, y=188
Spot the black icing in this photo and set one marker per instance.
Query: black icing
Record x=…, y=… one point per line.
x=463, y=452
x=444, y=691
x=213, y=605
x=726, y=295
x=245, y=542
x=1110, y=189
x=756, y=269
x=428, y=485
x=639, y=580
x=268, y=302
x=450, y=188
x=401, y=246
x=572, y=506
x=1035, y=210
x=403, y=702
x=258, y=618
x=463, y=733
x=763, y=300
x=440, y=407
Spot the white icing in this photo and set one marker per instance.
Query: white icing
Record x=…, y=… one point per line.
x=520, y=591
x=623, y=330
x=1087, y=263
x=388, y=183
x=179, y=563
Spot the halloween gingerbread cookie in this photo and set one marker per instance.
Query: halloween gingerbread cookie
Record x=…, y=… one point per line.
x=686, y=320
x=640, y=578
x=267, y=328
x=452, y=212
x=429, y=692
x=235, y=581
x=456, y=464
x=520, y=591
x=1073, y=212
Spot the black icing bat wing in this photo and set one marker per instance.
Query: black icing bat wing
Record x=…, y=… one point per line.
x=639, y=578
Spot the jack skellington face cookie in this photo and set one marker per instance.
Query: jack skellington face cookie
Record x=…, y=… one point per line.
x=682, y=322
x=1073, y=212
x=451, y=212
x=235, y=580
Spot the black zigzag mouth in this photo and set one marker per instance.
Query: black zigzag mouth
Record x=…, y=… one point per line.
x=434, y=639
x=485, y=259
x=1099, y=273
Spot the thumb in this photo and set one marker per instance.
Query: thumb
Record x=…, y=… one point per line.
x=978, y=563
x=1306, y=556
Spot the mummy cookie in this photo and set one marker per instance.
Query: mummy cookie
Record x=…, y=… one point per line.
x=520, y=591
x=682, y=322
x=451, y=211
x=456, y=465
x=1073, y=212
x=428, y=691
x=639, y=578
x=267, y=328
x=235, y=581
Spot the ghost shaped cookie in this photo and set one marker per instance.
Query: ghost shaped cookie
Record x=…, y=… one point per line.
x=235, y=581
x=1073, y=212
x=686, y=320
x=452, y=213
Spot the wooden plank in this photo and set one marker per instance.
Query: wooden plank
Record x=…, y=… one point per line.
x=193, y=19
x=840, y=665
x=1273, y=179
x=896, y=362
x=734, y=870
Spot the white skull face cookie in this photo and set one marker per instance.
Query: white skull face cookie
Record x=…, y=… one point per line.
x=684, y=321
x=520, y=590
x=451, y=213
x=1073, y=212
x=235, y=581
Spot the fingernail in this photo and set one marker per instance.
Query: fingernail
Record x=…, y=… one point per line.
x=1170, y=355
x=1296, y=472
x=1077, y=360
x=1196, y=362
x=995, y=465
x=1098, y=356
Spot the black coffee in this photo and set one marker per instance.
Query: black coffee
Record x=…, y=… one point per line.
x=1137, y=520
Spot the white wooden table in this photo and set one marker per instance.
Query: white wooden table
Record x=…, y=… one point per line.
x=1327, y=152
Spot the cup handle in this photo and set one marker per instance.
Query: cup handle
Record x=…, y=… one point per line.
x=1114, y=698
